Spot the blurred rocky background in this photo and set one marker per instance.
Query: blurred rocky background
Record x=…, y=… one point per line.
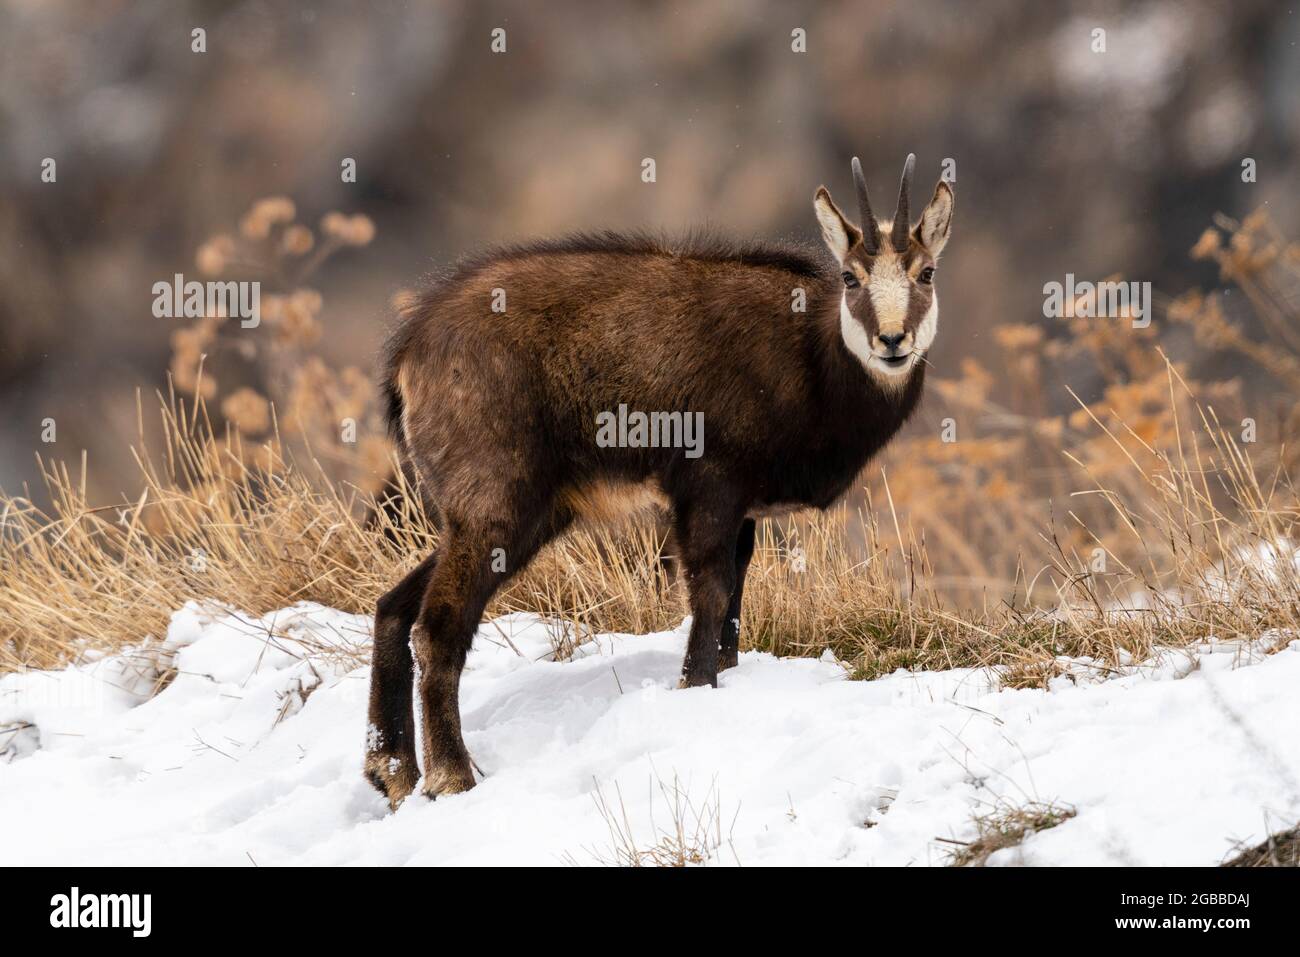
x=1067, y=160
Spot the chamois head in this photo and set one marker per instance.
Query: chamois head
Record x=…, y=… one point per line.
x=889, y=312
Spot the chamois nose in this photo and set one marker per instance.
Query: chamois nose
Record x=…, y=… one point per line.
x=891, y=341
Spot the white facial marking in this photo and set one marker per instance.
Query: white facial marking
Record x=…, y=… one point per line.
x=893, y=377
x=929, y=326
x=855, y=336
x=856, y=340
x=889, y=290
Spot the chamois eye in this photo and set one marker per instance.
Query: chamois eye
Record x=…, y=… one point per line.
x=927, y=275
x=850, y=280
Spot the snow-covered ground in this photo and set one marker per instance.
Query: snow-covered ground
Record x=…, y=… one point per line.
x=253, y=754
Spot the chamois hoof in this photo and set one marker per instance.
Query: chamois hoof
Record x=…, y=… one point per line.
x=393, y=776
x=444, y=781
x=697, y=681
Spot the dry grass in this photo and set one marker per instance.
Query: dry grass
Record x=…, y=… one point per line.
x=1277, y=850
x=253, y=528
x=983, y=499
x=1215, y=562
x=1006, y=826
x=212, y=520
x=693, y=835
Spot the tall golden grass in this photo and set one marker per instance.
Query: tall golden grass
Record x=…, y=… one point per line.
x=1140, y=519
x=207, y=524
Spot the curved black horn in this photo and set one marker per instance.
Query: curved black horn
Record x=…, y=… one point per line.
x=902, y=217
x=870, y=231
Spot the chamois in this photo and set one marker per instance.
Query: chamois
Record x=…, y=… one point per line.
x=498, y=413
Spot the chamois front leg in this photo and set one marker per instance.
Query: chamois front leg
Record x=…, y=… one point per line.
x=729, y=650
x=708, y=541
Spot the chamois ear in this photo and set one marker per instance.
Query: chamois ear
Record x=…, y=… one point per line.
x=932, y=231
x=838, y=232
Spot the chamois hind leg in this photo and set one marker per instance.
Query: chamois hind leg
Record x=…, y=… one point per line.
x=708, y=540
x=729, y=650
x=390, y=763
x=474, y=560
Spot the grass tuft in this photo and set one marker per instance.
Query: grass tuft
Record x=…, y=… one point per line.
x=692, y=837
x=1277, y=850
x=1006, y=826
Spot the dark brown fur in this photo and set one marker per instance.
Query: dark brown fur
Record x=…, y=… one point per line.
x=497, y=412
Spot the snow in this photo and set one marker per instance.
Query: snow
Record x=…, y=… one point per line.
x=252, y=754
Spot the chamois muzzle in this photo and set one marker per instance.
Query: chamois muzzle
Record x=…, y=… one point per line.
x=891, y=342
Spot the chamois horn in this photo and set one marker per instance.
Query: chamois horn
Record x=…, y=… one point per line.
x=870, y=231
x=902, y=217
